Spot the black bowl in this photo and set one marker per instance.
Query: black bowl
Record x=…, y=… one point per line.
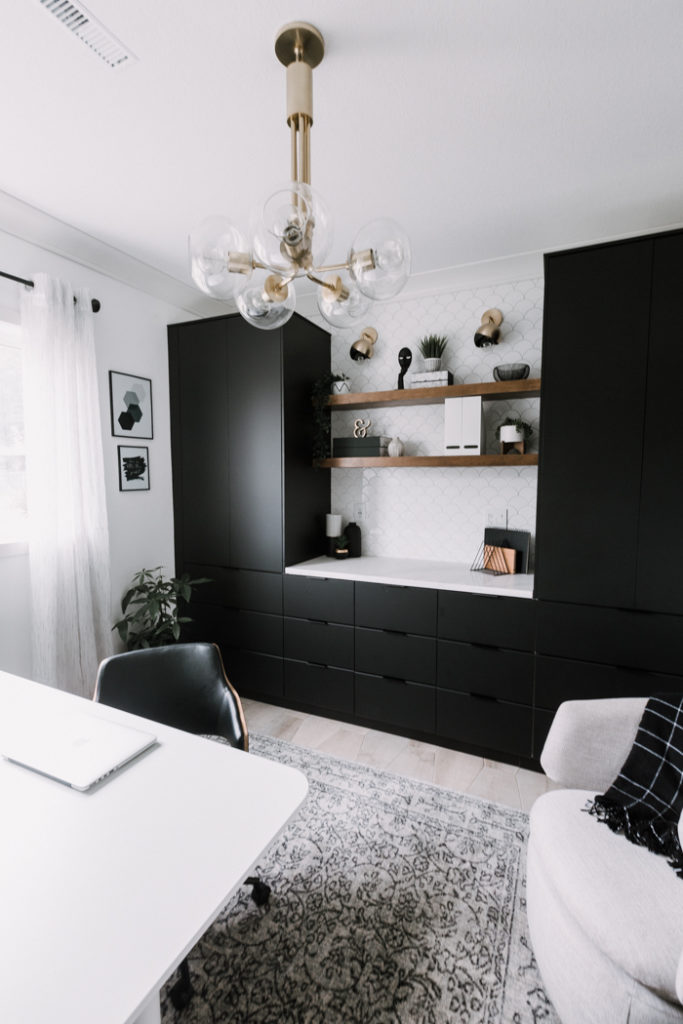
x=511, y=371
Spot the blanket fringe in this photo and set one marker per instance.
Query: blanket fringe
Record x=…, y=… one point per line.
x=657, y=836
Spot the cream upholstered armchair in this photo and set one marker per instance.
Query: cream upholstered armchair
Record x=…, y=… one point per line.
x=605, y=916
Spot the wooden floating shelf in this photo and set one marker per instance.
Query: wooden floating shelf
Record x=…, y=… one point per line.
x=404, y=461
x=429, y=396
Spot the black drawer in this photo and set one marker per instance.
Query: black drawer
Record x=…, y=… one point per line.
x=237, y=588
x=405, y=609
x=494, y=621
x=319, y=686
x=482, y=722
x=233, y=628
x=490, y=671
x=542, y=722
x=310, y=597
x=323, y=642
x=559, y=679
x=394, y=702
x=400, y=655
x=253, y=674
x=612, y=636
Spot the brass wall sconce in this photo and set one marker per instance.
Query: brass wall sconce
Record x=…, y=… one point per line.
x=365, y=346
x=489, y=331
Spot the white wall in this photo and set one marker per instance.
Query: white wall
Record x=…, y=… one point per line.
x=440, y=513
x=130, y=335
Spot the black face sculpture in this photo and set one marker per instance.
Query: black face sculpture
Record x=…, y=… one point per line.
x=405, y=358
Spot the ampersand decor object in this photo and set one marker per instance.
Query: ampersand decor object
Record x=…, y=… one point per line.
x=361, y=427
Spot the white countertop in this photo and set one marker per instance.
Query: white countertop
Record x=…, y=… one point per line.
x=415, y=572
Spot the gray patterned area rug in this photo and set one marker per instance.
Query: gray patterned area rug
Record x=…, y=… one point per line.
x=394, y=902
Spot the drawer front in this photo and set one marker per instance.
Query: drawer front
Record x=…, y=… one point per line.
x=400, y=655
x=237, y=588
x=559, y=679
x=309, y=597
x=393, y=702
x=319, y=686
x=542, y=722
x=490, y=671
x=322, y=642
x=404, y=609
x=612, y=636
x=227, y=626
x=253, y=674
x=481, y=722
x=493, y=621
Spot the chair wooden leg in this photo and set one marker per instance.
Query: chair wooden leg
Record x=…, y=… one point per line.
x=260, y=892
x=181, y=993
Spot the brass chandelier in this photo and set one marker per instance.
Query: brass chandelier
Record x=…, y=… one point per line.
x=292, y=230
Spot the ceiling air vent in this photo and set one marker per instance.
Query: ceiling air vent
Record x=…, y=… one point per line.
x=90, y=31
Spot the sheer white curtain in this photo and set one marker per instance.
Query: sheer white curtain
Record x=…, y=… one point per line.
x=68, y=531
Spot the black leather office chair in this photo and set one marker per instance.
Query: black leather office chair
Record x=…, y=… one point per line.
x=184, y=686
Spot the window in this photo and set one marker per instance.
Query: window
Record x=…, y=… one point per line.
x=12, y=446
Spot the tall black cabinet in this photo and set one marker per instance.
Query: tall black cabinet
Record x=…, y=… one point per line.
x=609, y=568
x=246, y=498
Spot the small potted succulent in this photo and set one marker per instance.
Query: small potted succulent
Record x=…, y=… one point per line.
x=432, y=348
x=513, y=430
x=340, y=384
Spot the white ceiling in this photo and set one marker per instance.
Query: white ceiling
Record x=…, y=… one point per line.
x=486, y=127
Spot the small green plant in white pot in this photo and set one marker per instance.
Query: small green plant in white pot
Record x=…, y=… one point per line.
x=514, y=429
x=432, y=348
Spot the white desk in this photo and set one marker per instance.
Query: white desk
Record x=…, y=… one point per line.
x=102, y=894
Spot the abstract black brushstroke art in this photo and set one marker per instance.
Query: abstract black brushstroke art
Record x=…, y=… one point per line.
x=133, y=468
x=131, y=405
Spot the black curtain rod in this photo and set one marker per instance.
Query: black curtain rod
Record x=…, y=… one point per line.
x=96, y=304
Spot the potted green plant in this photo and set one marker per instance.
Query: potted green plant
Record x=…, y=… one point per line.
x=151, y=613
x=513, y=429
x=322, y=427
x=432, y=348
x=340, y=384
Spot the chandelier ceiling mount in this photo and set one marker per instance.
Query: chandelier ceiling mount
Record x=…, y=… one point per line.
x=292, y=230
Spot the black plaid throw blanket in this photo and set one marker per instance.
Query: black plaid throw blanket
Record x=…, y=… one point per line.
x=646, y=799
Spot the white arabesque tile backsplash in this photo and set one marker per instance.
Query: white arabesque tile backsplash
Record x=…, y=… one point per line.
x=439, y=513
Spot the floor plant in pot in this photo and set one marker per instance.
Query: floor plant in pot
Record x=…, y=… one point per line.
x=151, y=609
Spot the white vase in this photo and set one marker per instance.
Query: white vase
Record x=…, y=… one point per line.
x=511, y=434
x=340, y=387
x=433, y=364
x=395, y=448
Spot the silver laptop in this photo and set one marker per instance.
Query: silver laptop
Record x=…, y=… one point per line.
x=76, y=748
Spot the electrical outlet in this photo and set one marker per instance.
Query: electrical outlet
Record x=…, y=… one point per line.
x=359, y=511
x=496, y=517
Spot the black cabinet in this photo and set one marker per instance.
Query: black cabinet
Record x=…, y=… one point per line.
x=595, y=330
x=609, y=497
x=246, y=497
x=485, y=672
x=402, y=609
x=245, y=493
x=660, y=554
x=311, y=597
x=395, y=703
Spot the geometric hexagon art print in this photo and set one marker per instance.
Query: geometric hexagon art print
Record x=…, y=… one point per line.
x=131, y=405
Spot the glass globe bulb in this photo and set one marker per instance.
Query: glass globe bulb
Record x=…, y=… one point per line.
x=260, y=310
x=215, y=246
x=292, y=229
x=379, y=260
x=345, y=310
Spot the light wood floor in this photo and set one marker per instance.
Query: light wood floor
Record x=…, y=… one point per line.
x=490, y=780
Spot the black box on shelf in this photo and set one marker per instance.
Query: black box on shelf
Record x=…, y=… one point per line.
x=349, y=446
